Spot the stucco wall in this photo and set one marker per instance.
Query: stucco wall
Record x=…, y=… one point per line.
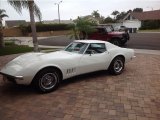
x=132, y=23
x=12, y=32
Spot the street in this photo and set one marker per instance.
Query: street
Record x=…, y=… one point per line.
x=144, y=41
x=137, y=40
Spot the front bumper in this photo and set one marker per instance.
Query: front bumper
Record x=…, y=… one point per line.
x=133, y=57
x=11, y=78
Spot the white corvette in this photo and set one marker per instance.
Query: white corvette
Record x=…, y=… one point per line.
x=46, y=70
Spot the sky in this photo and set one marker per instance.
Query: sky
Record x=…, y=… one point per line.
x=71, y=9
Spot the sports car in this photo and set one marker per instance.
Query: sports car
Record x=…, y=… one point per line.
x=47, y=70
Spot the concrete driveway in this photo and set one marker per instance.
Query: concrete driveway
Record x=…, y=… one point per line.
x=133, y=95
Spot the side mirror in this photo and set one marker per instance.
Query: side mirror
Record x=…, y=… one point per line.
x=90, y=52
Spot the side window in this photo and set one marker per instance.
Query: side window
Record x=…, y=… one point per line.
x=96, y=48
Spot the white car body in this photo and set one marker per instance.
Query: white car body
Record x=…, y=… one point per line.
x=25, y=67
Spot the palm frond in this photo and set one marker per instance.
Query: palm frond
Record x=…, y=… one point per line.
x=18, y=5
x=2, y=11
x=37, y=12
x=2, y=14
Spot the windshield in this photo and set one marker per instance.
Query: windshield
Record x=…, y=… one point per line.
x=77, y=47
x=109, y=29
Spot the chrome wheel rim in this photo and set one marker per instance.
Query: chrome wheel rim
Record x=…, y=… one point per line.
x=48, y=80
x=118, y=66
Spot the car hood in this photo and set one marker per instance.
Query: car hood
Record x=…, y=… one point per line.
x=31, y=59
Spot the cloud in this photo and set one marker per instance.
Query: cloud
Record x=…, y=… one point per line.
x=73, y=8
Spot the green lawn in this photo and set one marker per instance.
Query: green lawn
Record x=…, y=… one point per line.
x=14, y=49
x=11, y=48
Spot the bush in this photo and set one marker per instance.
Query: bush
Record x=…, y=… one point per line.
x=150, y=24
x=24, y=30
x=48, y=27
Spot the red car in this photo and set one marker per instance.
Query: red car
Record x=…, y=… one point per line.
x=106, y=33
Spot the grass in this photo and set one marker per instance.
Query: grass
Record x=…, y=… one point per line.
x=156, y=30
x=11, y=48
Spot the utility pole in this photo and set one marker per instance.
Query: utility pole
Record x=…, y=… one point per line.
x=58, y=10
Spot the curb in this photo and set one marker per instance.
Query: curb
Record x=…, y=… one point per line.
x=54, y=47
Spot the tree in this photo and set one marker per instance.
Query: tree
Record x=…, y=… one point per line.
x=81, y=28
x=95, y=14
x=121, y=15
x=138, y=10
x=101, y=19
x=108, y=20
x=2, y=15
x=33, y=10
x=115, y=13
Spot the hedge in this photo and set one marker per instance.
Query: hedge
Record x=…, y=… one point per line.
x=47, y=27
x=150, y=24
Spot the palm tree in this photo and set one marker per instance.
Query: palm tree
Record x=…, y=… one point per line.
x=33, y=10
x=96, y=14
x=2, y=15
x=81, y=28
x=115, y=13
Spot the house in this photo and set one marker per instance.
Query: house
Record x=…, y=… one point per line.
x=14, y=23
x=135, y=19
x=57, y=21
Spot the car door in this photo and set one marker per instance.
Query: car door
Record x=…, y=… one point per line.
x=95, y=58
x=102, y=34
x=99, y=34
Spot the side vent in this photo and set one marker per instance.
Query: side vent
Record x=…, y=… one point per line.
x=71, y=71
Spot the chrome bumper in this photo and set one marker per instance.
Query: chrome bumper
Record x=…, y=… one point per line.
x=133, y=57
x=11, y=78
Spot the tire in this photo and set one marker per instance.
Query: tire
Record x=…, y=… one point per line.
x=126, y=38
x=116, y=42
x=47, y=80
x=117, y=65
x=123, y=42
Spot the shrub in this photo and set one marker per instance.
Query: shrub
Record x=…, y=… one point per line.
x=24, y=30
x=48, y=27
x=150, y=24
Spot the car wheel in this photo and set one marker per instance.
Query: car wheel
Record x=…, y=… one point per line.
x=123, y=42
x=117, y=66
x=47, y=80
x=115, y=42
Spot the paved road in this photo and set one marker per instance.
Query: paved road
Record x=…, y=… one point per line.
x=144, y=41
x=138, y=41
x=56, y=41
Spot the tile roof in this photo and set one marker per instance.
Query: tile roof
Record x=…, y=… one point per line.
x=147, y=15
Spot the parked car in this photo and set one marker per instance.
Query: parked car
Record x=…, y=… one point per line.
x=46, y=70
x=106, y=33
x=121, y=28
